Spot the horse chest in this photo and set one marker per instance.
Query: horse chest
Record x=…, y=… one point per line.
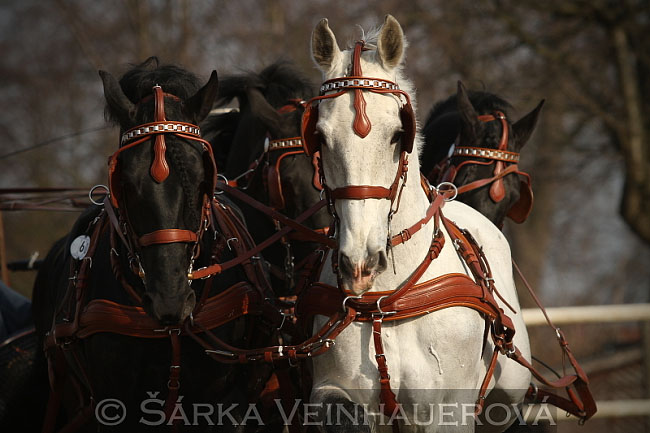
x=431, y=351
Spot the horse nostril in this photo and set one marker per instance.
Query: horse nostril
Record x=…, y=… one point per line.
x=376, y=262
x=346, y=265
x=379, y=260
x=373, y=264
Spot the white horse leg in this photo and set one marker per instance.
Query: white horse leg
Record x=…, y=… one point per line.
x=332, y=410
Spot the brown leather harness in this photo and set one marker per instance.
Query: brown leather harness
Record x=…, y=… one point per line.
x=446, y=170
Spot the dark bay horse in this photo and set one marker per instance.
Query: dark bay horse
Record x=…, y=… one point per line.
x=260, y=147
x=470, y=141
x=115, y=304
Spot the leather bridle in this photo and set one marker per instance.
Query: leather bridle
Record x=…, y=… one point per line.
x=159, y=171
x=505, y=162
x=357, y=83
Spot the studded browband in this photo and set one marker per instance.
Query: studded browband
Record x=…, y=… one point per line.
x=285, y=143
x=160, y=127
x=499, y=155
x=357, y=83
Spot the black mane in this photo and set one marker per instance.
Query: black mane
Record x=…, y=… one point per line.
x=278, y=81
x=138, y=81
x=483, y=102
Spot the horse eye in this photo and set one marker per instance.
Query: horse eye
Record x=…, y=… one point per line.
x=396, y=137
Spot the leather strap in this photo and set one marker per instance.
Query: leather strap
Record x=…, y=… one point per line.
x=582, y=405
x=497, y=190
x=361, y=192
x=173, y=384
x=159, y=168
x=482, y=182
x=361, y=125
x=291, y=225
x=408, y=233
x=274, y=180
x=386, y=394
x=167, y=236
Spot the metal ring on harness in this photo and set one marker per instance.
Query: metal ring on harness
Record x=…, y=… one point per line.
x=92, y=190
x=228, y=242
x=345, y=300
x=225, y=180
x=451, y=187
x=380, y=311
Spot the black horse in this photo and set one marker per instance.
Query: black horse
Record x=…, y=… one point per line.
x=113, y=304
x=260, y=147
x=470, y=122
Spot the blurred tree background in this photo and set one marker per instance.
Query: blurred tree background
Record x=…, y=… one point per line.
x=588, y=238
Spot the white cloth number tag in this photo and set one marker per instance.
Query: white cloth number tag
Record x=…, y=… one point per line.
x=79, y=247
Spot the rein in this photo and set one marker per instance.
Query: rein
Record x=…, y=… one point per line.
x=268, y=166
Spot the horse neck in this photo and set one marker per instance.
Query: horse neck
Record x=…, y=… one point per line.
x=413, y=206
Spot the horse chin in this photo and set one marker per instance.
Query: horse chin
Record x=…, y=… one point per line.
x=359, y=285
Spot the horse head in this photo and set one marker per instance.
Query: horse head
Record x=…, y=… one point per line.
x=264, y=155
x=267, y=136
x=161, y=178
x=470, y=141
x=364, y=127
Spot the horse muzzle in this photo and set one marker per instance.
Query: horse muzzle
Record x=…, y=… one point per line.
x=170, y=310
x=358, y=276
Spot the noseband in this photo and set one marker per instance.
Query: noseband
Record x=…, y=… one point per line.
x=445, y=171
x=159, y=172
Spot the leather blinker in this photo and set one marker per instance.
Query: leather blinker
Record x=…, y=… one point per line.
x=310, y=138
x=519, y=211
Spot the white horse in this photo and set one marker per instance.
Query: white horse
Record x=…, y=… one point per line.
x=436, y=361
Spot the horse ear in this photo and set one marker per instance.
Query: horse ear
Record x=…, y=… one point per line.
x=390, y=45
x=151, y=63
x=118, y=103
x=200, y=104
x=525, y=126
x=470, y=126
x=262, y=110
x=324, y=48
